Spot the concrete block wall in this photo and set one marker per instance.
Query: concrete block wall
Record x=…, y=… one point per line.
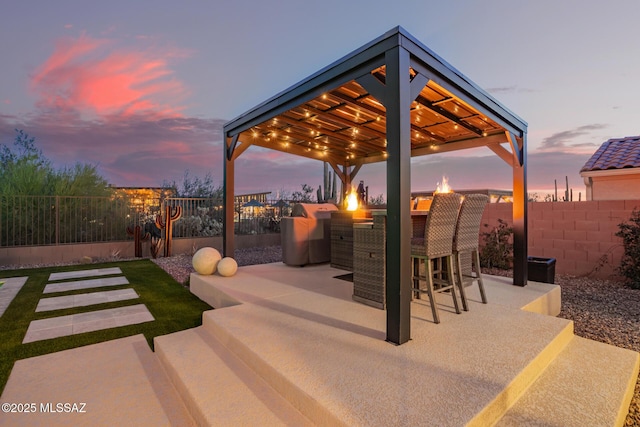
x=27, y=255
x=579, y=235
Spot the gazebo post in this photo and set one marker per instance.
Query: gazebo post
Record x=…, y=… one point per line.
x=520, y=204
x=397, y=104
x=228, y=226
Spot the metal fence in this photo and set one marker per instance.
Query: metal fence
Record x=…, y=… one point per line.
x=57, y=220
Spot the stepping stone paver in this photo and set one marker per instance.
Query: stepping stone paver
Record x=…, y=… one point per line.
x=85, y=284
x=86, y=322
x=83, y=300
x=9, y=290
x=85, y=273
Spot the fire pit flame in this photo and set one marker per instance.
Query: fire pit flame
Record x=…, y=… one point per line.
x=352, y=201
x=444, y=188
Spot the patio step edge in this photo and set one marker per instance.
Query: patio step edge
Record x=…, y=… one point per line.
x=217, y=387
x=521, y=383
x=303, y=402
x=589, y=383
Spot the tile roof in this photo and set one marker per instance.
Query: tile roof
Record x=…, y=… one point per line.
x=616, y=153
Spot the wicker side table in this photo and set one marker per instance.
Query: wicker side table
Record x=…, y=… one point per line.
x=342, y=239
x=369, y=261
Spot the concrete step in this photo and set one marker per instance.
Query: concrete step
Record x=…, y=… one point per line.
x=218, y=388
x=588, y=384
x=327, y=356
x=356, y=382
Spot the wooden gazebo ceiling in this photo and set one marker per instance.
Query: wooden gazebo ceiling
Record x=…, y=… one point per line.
x=347, y=126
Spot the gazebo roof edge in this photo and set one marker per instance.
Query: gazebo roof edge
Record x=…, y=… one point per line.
x=397, y=36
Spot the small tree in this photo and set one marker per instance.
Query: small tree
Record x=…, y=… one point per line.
x=196, y=187
x=25, y=171
x=304, y=196
x=630, y=263
x=497, y=251
x=377, y=201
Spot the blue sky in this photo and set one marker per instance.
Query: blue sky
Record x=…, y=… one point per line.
x=142, y=88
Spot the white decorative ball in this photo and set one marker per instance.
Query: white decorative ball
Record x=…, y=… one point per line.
x=206, y=260
x=227, y=267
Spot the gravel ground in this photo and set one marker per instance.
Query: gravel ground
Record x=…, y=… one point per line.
x=602, y=310
x=180, y=266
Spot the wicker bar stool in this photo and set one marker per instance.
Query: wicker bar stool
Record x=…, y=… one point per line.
x=466, y=242
x=437, y=243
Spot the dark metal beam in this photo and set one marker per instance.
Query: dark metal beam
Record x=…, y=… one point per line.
x=345, y=122
x=418, y=83
x=324, y=132
x=520, y=232
x=357, y=103
x=398, y=102
x=437, y=108
x=447, y=115
x=299, y=150
x=228, y=225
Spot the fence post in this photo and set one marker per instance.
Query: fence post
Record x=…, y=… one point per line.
x=57, y=220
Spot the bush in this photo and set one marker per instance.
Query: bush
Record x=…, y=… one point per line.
x=630, y=264
x=497, y=251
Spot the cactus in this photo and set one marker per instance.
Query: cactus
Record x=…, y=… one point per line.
x=171, y=214
x=568, y=193
x=138, y=238
x=329, y=194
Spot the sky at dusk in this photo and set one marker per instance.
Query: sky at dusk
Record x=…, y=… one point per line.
x=142, y=89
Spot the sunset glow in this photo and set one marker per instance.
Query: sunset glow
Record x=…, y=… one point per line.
x=146, y=89
x=95, y=77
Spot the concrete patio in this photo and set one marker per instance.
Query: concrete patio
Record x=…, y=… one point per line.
x=288, y=346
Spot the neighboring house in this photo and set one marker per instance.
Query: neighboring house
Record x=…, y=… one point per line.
x=613, y=172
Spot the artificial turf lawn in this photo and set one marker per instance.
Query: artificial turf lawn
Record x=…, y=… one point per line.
x=171, y=304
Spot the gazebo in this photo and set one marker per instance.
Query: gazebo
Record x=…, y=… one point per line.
x=389, y=100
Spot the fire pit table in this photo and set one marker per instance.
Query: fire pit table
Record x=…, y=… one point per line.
x=342, y=237
x=369, y=256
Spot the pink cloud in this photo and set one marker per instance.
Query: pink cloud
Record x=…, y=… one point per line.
x=97, y=77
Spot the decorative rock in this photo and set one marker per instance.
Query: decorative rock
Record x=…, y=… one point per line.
x=227, y=267
x=205, y=261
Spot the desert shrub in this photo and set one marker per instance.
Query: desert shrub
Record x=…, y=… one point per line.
x=497, y=248
x=630, y=264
